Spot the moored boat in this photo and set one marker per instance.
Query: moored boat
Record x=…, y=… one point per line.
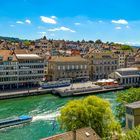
x=14, y=121
x=55, y=84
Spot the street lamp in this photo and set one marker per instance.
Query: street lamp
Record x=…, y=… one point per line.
x=74, y=129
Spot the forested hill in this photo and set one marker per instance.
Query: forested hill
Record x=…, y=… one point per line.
x=12, y=39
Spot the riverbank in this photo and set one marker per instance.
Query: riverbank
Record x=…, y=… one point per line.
x=76, y=89
x=36, y=92
x=23, y=93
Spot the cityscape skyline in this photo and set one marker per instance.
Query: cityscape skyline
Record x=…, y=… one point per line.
x=73, y=20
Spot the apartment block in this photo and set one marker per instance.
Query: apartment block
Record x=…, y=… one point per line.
x=20, y=69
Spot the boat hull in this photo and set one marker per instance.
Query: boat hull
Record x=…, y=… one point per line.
x=14, y=123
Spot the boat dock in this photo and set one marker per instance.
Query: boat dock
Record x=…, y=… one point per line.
x=84, y=89
x=23, y=93
x=75, y=89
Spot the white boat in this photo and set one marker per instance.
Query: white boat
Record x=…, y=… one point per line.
x=55, y=84
x=14, y=121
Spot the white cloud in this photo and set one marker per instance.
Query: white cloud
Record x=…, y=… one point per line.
x=61, y=29
x=77, y=23
x=129, y=43
x=43, y=33
x=118, y=28
x=47, y=20
x=52, y=34
x=121, y=21
x=54, y=17
x=128, y=27
x=20, y=22
x=28, y=21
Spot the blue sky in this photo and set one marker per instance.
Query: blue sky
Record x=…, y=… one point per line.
x=108, y=20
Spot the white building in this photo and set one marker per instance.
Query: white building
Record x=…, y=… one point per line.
x=19, y=69
x=127, y=77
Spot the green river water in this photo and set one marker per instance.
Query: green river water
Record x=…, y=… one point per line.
x=44, y=110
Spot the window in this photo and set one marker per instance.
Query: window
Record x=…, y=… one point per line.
x=63, y=67
x=129, y=111
x=10, y=58
x=130, y=124
x=58, y=67
x=68, y=67
x=77, y=67
x=72, y=66
x=1, y=58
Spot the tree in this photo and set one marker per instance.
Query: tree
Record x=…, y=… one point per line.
x=132, y=134
x=27, y=43
x=125, y=97
x=125, y=47
x=90, y=41
x=91, y=111
x=98, y=41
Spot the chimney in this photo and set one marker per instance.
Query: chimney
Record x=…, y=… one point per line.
x=74, y=134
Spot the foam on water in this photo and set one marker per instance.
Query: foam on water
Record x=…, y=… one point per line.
x=46, y=116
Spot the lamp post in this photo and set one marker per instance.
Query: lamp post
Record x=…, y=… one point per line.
x=74, y=129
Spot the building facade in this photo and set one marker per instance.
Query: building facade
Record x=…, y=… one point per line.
x=102, y=64
x=129, y=61
x=75, y=68
x=125, y=58
x=127, y=77
x=121, y=59
x=19, y=69
x=132, y=115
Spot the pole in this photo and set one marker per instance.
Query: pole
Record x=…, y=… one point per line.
x=74, y=134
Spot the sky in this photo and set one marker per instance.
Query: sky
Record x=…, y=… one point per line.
x=108, y=20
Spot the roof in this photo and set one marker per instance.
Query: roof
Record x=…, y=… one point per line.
x=67, y=59
x=134, y=105
x=102, y=55
x=81, y=134
x=128, y=69
x=5, y=54
x=21, y=51
x=28, y=56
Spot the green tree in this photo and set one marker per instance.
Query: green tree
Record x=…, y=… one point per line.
x=126, y=47
x=27, y=43
x=125, y=97
x=91, y=111
x=98, y=41
x=132, y=134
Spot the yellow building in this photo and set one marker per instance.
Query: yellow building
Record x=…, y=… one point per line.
x=133, y=115
x=74, y=67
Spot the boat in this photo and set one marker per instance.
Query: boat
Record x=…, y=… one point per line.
x=55, y=84
x=14, y=121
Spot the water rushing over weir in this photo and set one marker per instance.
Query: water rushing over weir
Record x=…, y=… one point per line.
x=44, y=109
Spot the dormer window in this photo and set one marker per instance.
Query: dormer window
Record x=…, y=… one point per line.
x=10, y=58
x=1, y=58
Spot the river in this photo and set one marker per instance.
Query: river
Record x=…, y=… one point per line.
x=44, y=110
